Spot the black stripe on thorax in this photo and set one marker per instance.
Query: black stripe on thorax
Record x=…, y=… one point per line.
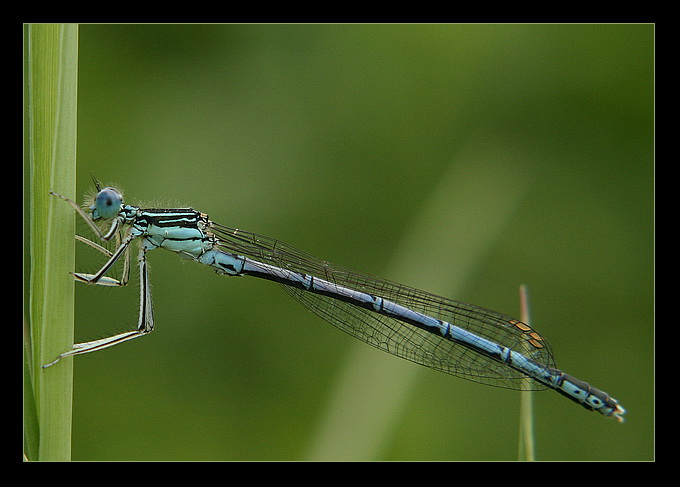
x=168, y=217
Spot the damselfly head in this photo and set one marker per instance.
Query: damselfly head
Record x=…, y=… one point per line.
x=107, y=204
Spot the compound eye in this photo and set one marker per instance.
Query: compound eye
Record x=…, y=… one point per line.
x=107, y=204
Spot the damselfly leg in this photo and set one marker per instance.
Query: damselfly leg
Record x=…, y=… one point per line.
x=146, y=321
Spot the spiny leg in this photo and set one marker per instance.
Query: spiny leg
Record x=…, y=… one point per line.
x=100, y=279
x=145, y=323
x=103, y=280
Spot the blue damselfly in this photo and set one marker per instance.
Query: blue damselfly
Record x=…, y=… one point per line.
x=450, y=336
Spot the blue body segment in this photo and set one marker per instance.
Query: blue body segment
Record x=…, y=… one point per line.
x=443, y=334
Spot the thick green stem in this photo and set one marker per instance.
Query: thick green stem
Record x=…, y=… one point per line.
x=51, y=90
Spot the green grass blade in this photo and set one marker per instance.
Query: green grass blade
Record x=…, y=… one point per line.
x=526, y=424
x=51, y=57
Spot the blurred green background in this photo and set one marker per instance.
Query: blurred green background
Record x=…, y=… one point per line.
x=460, y=159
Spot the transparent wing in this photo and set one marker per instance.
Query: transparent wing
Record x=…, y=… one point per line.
x=392, y=335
